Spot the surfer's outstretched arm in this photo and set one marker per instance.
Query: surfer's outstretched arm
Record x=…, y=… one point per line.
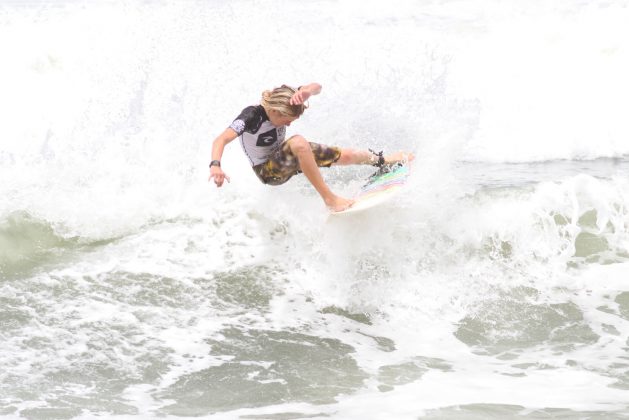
x=218, y=146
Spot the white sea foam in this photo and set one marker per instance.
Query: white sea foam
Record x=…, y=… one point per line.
x=114, y=106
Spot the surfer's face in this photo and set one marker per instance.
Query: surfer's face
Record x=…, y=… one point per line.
x=278, y=119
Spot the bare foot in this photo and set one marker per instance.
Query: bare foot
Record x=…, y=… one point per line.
x=337, y=203
x=399, y=157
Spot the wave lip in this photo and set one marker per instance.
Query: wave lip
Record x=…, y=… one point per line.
x=28, y=243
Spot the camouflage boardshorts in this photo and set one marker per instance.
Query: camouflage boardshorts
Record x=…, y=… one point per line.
x=282, y=164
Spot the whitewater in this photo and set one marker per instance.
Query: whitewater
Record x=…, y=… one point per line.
x=496, y=286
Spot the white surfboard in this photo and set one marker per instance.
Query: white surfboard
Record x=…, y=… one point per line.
x=380, y=187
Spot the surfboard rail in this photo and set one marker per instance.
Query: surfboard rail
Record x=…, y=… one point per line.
x=380, y=187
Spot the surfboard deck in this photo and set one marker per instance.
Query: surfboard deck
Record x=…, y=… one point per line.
x=380, y=187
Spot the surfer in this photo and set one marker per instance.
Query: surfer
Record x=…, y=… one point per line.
x=262, y=130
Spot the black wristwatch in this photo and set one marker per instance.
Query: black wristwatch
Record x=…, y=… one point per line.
x=215, y=163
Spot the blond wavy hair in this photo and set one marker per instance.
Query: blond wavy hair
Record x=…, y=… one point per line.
x=278, y=100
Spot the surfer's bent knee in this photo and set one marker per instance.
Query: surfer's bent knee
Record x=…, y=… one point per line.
x=298, y=144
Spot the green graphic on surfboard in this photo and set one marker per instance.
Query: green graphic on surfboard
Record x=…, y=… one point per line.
x=380, y=187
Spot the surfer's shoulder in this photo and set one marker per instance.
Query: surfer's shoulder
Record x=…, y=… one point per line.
x=249, y=119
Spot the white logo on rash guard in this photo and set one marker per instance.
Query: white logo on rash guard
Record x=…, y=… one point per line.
x=267, y=138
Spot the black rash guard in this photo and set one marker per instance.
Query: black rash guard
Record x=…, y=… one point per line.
x=258, y=137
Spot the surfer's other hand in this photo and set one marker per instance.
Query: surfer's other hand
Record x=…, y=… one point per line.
x=219, y=176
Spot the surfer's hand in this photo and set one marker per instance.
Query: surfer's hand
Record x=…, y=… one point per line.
x=300, y=97
x=219, y=176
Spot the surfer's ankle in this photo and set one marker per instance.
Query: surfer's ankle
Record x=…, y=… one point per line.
x=376, y=158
